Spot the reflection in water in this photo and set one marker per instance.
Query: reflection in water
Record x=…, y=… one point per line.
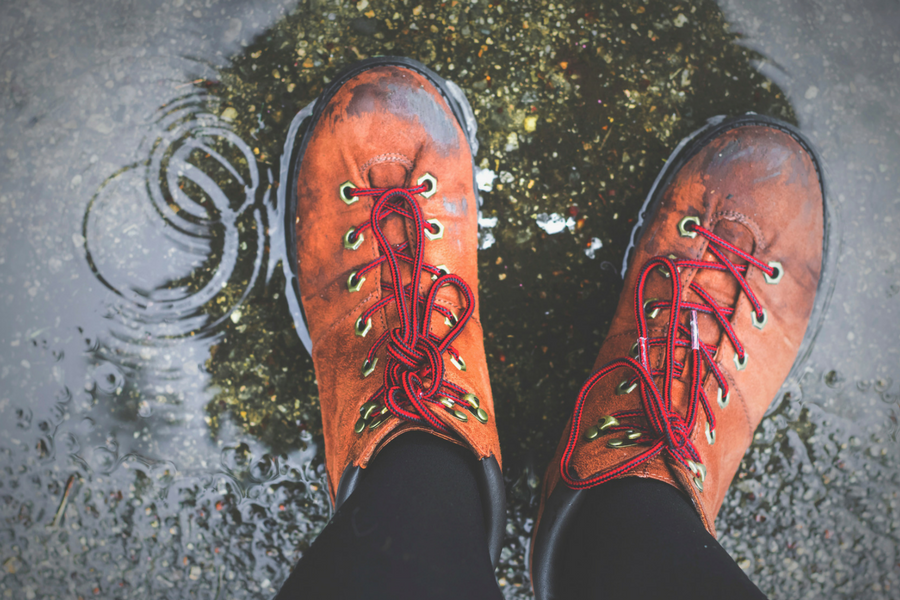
x=179, y=237
x=147, y=498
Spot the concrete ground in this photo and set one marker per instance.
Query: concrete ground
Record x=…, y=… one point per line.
x=159, y=428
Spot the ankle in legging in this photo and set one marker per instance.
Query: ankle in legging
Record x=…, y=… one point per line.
x=414, y=528
x=641, y=538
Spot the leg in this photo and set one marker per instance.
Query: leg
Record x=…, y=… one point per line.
x=641, y=538
x=414, y=528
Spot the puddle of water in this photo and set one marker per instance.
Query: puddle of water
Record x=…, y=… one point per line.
x=160, y=430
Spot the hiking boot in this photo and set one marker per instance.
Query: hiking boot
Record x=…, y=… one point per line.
x=385, y=218
x=716, y=305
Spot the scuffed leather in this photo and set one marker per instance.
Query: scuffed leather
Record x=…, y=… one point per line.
x=759, y=189
x=385, y=127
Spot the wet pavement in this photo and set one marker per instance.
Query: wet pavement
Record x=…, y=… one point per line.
x=159, y=428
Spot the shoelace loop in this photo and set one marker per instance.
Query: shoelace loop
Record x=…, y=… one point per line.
x=413, y=383
x=657, y=425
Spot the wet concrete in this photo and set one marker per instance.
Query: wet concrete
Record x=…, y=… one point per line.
x=160, y=431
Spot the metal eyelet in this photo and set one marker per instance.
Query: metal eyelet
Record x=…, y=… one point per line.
x=342, y=192
x=653, y=314
x=446, y=402
x=621, y=443
x=606, y=422
x=710, y=435
x=458, y=363
x=699, y=472
x=430, y=179
x=440, y=228
x=635, y=351
x=757, y=323
x=451, y=323
x=362, y=331
x=623, y=387
x=460, y=415
x=723, y=402
x=352, y=245
x=368, y=409
x=354, y=284
x=369, y=367
x=773, y=279
x=442, y=270
x=741, y=364
x=665, y=271
x=698, y=469
x=479, y=412
x=682, y=226
x=379, y=422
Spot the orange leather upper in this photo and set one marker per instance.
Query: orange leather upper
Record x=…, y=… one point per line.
x=756, y=187
x=386, y=127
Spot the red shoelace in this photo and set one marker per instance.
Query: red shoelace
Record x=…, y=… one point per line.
x=656, y=424
x=413, y=383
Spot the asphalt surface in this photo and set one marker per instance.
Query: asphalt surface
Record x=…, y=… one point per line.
x=159, y=428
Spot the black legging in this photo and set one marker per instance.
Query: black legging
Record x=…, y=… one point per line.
x=414, y=528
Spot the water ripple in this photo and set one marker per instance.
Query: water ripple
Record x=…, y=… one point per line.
x=180, y=237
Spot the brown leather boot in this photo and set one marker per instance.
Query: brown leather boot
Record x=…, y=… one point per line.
x=714, y=312
x=385, y=220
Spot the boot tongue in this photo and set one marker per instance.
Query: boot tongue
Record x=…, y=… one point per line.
x=721, y=285
x=391, y=175
x=388, y=175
